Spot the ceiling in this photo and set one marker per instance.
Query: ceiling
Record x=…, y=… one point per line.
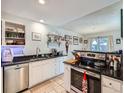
x=55, y=12
x=106, y=19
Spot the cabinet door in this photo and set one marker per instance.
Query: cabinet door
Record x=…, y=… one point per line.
x=51, y=65
x=35, y=73
x=61, y=67
x=110, y=85
x=49, y=68
x=35, y=76
x=108, y=90
x=121, y=88
x=57, y=67
x=46, y=70
x=67, y=77
x=1, y=79
x=61, y=60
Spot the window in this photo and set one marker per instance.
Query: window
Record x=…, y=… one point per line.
x=100, y=44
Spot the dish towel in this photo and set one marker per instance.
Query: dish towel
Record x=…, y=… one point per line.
x=84, y=83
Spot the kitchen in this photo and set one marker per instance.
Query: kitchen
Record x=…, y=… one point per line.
x=51, y=46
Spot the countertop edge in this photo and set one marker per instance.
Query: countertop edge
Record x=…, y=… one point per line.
x=28, y=61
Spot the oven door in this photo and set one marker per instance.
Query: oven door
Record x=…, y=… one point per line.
x=93, y=83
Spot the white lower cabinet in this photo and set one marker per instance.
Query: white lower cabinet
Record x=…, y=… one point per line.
x=61, y=66
x=1, y=79
x=35, y=73
x=57, y=67
x=67, y=77
x=40, y=71
x=108, y=90
x=61, y=60
x=48, y=69
x=111, y=85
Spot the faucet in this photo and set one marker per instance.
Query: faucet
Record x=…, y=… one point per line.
x=37, y=51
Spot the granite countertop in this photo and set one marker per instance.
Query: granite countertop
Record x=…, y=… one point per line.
x=107, y=72
x=3, y=64
x=112, y=73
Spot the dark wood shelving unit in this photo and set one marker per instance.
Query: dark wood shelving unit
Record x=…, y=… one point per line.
x=14, y=34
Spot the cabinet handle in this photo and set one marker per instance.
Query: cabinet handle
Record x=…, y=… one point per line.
x=66, y=68
x=110, y=83
x=17, y=68
x=104, y=85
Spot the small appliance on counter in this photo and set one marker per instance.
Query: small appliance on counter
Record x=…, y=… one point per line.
x=114, y=61
x=54, y=52
x=8, y=52
x=60, y=53
x=7, y=55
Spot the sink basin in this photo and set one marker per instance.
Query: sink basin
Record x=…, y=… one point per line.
x=37, y=59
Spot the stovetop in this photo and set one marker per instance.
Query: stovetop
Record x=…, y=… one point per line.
x=89, y=68
x=102, y=70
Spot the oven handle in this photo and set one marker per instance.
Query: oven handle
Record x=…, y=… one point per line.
x=87, y=72
x=93, y=74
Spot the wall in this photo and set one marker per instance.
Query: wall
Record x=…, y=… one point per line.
x=105, y=22
x=32, y=26
x=114, y=34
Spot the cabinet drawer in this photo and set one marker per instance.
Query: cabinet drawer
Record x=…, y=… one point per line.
x=109, y=90
x=34, y=64
x=111, y=83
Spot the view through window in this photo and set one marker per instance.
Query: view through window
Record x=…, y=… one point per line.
x=100, y=44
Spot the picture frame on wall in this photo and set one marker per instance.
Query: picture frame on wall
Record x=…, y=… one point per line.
x=75, y=40
x=67, y=37
x=36, y=36
x=118, y=41
x=85, y=41
x=80, y=40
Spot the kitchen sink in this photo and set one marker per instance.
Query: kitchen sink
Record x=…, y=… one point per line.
x=37, y=59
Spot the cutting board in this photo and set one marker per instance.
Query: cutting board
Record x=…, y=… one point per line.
x=71, y=61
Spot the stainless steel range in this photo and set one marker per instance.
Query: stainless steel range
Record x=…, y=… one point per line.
x=91, y=63
x=93, y=80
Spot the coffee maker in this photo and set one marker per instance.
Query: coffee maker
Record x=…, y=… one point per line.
x=113, y=61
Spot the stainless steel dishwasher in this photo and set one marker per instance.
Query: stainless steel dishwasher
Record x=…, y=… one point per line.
x=16, y=78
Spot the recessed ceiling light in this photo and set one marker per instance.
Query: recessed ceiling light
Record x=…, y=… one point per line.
x=42, y=2
x=42, y=21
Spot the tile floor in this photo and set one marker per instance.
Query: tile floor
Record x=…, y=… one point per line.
x=55, y=85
